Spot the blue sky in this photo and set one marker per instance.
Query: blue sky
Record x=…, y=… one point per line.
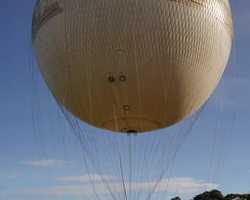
x=25, y=176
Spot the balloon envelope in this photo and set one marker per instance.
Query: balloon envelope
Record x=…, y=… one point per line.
x=132, y=65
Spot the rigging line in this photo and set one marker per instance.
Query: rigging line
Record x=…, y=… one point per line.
x=90, y=157
x=77, y=171
x=89, y=89
x=124, y=187
x=161, y=173
x=161, y=164
x=157, y=146
x=134, y=178
x=87, y=150
x=64, y=145
x=137, y=176
x=52, y=131
x=118, y=141
x=221, y=154
x=122, y=99
x=206, y=148
x=74, y=123
x=76, y=131
x=130, y=167
x=91, y=181
x=169, y=76
x=228, y=136
x=154, y=146
x=93, y=135
x=110, y=163
x=97, y=167
x=114, y=99
x=81, y=139
x=146, y=163
x=75, y=163
x=43, y=146
x=69, y=74
x=233, y=96
x=65, y=155
x=160, y=170
x=214, y=141
x=179, y=179
x=115, y=157
x=35, y=111
x=43, y=149
x=171, y=171
x=149, y=157
x=39, y=124
x=162, y=132
x=165, y=92
x=172, y=145
x=122, y=86
x=67, y=60
x=225, y=138
x=164, y=137
x=194, y=118
x=107, y=168
x=158, y=181
x=222, y=148
x=136, y=61
x=174, y=135
x=144, y=181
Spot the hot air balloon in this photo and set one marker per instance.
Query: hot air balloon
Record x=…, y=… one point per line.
x=132, y=65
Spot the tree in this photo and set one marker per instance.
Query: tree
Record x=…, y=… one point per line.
x=212, y=195
x=176, y=198
x=237, y=197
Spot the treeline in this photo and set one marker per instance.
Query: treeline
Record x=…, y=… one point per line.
x=217, y=195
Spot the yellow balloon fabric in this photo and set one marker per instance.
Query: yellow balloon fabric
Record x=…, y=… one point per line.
x=132, y=65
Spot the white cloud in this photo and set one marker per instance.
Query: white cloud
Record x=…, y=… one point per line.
x=47, y=163
x=185, y=185
x=83, y=178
